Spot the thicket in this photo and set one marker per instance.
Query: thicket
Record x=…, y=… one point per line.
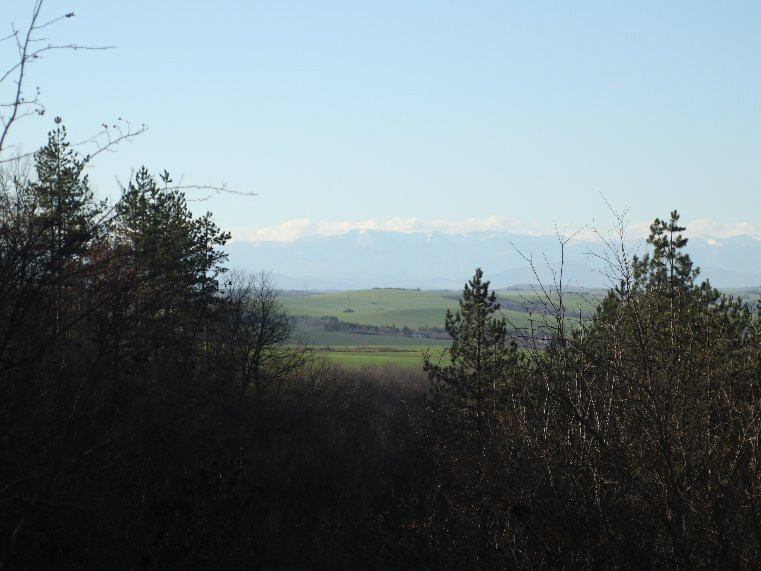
x=630, y=440
x=154, y=415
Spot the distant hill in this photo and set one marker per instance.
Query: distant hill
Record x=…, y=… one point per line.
x=373, y=258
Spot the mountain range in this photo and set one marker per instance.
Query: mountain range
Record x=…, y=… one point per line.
x=362, y=259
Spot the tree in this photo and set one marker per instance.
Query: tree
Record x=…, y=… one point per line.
x=257, y=334
x=646, y=413
x=175, y=260
x=66, y=210
x=48, y=223
x=668, y=266
x=480, y=357
x=28, y=43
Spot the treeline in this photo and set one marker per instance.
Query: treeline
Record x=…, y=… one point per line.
x=154, y=413
x=332, y=323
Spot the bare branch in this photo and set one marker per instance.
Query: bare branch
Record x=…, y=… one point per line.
x=28, y=51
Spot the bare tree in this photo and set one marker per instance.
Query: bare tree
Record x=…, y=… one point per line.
x=261, y=345
x=28, y=44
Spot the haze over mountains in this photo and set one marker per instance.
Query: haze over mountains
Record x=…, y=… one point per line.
x=376, y=258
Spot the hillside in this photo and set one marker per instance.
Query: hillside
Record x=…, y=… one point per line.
x=409, y=317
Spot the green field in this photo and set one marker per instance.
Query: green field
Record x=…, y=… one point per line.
x=317, y=337
x=403, y=308
x=413, y=308
x=397, y=356
x=376, y=307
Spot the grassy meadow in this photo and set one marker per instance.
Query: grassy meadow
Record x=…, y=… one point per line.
x=415, y=308
x=376, y=356
x=398, y=307
x=404, y=308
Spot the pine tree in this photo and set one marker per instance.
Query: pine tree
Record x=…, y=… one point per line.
x=64, y=217
x=65, y=205
x=175, y=260
x=668, y=266
x=480, y=357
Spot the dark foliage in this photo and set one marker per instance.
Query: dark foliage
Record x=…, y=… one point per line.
x=630, y=441
x=154, y=413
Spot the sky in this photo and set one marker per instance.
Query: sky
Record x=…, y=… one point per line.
x=419, y=115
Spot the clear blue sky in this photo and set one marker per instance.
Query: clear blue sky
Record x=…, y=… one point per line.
x=342, y=112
